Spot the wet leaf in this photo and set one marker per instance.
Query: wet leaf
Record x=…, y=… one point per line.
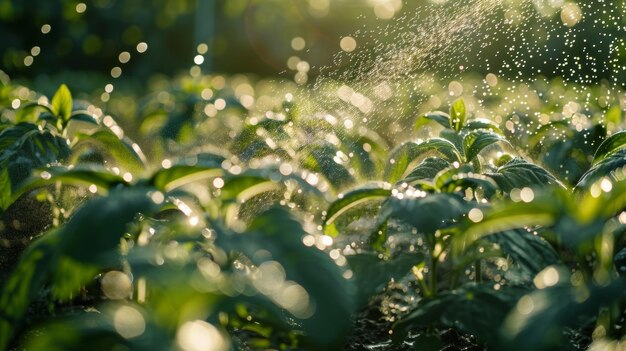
x=539, y=319
x=121, y=151
x=428, y=169
x=279, y=233
x=372, y=273
x=61, y=103
x=603, y=168
x=475, y=309
x=427, y=214
x=352, y=199
x=609, y=145
x=518, y=173
x=475, y=141
x=457, y=115
x=437, y=116
x=402, y=156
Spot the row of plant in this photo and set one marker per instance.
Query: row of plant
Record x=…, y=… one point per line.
x=275, y=235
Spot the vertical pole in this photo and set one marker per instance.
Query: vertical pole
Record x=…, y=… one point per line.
x=204, y=30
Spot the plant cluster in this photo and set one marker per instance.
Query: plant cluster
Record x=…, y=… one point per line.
x=276, y=234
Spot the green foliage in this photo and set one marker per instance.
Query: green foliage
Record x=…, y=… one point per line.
x=353, y=199
x=402, y=156
x=272, y=231
x=475, y=142
x=373, y=274
x=476, y=309
x=25, y=147
x=518, y=173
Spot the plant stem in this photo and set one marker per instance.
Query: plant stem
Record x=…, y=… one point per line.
x=478, y=271
x=433, y=276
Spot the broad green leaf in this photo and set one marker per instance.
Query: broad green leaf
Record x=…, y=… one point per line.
x=24, y=284
x=437, y=116
x=402, y=156
x=103, y=179
x=428, y=169
x=204, y=166
x=243, y=187
x=455, y=138
x=93, y=233
x=276, y=231
x=518, y=173
x=101, y=330
x=609, y=145
x=23, y=148
x=427, y=214
x=546, y=133
x=475, y=141
x=28, y=109
x=480, y=123
x=593, y=207
x=90, y=237
x=62, y=103
x=477, y=182
x=84, y=116
x=122, y=152
x=449, y=174
x=251, y=142
x=530, y=252
x=457, y=115
x=475, y=309
x=321, y=158
x=372, y=273
x=252, y=182
x=603, y=168
x=351, y=200
x=540, y=318
x=368, y=164
x=513, y=215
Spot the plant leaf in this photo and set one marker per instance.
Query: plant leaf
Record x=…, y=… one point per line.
x=204, y=166
x=475, y=309
x=518, y=173
x=427, y=214
x=24, y=284
x=372, y=274
x=352, y=199
x=101, y=178
x=530, y=252
x=402, y=156
x=122, y=152
x=457, y=115
x=428, y=169
x=553, y=309
x=475, y=141
x=321, y=158
x=437, y=116
x=603, y=168
x=24, y=148
x=279, y=233
x=94, y=232
x=474, y=181
x=610, y=144
x=481, y=123
x=61, y=103
x=84, y=116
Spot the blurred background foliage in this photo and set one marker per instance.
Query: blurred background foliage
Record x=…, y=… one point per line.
x=131, y=41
